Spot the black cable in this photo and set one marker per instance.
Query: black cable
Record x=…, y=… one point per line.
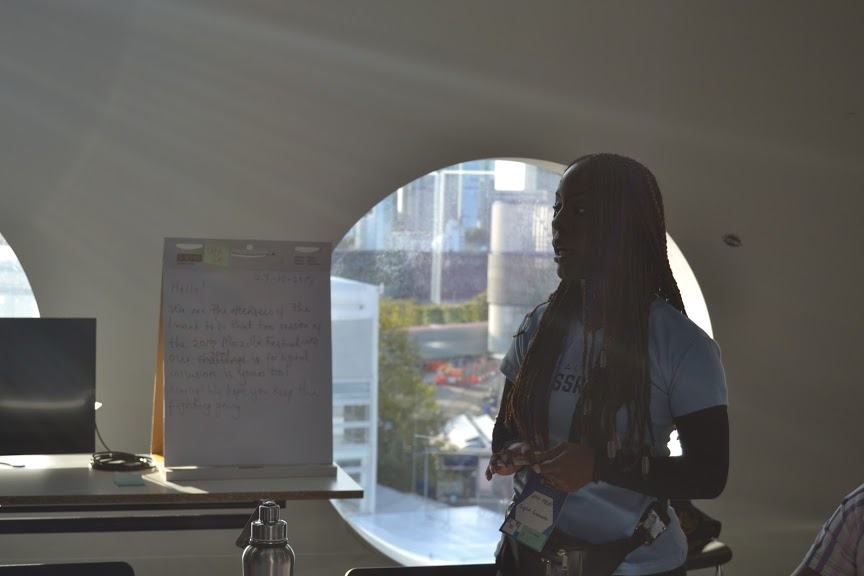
x=100, y=437
x=119, y=461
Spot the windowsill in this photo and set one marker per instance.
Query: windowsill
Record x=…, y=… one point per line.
x=415, y=531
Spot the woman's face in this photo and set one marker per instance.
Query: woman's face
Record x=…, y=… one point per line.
x=569, y=225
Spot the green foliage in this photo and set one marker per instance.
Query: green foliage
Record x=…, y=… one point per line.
x=453, y=314
x=408, y=411
x=393, y=314
x=407, y=408
x=433, y=315
x=405, y=313
x=478, y=308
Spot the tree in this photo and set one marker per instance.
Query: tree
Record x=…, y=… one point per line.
x=407, y=408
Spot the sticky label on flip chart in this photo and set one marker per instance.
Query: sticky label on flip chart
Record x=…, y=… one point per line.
x=216, y=253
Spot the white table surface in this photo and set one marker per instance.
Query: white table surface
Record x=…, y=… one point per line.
x=70, y=480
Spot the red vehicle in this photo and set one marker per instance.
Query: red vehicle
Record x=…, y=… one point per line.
x=456, y=377
x=435, y=365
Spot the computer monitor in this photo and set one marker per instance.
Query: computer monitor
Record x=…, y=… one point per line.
x=47, y=385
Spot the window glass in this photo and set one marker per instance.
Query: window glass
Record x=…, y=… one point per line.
x=356, y=413
x=451, y=263
x=16, y=297
x=355, y=435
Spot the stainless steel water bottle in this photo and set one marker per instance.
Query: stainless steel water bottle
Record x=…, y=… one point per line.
x=267, y=552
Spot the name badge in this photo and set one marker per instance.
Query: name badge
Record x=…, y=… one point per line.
x=535, y=512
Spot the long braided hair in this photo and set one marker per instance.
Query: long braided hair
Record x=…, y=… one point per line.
x=626, y=266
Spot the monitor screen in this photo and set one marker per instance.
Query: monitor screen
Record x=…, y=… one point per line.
x=47, y=385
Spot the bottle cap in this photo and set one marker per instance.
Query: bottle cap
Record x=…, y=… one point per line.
x=264, y=526
x=269, y=529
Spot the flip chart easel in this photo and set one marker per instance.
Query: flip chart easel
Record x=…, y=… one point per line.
x=244, y=376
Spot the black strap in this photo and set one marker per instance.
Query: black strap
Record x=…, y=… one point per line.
x=647, y=530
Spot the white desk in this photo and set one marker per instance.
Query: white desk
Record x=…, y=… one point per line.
x=51, y=492
x=69, y=479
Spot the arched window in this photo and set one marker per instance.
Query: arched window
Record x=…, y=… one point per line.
x=16, y=297
x=442, y=271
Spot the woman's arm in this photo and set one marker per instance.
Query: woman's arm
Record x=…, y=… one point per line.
x=502, y=434
x=699, y=473
x=509, y=452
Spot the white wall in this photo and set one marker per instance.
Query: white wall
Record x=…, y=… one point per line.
x=122, y=123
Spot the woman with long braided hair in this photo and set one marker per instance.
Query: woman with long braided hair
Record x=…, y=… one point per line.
x=597, y=378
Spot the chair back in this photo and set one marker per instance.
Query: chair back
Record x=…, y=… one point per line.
x=450, y=570
x=714, y=555
x=69, y=569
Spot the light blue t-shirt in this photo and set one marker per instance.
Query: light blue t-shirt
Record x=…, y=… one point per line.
x=686, y=376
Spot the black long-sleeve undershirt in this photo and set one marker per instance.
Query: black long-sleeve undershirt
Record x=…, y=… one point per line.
x=699, y=473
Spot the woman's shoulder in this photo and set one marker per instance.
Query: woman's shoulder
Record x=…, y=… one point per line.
x=670, y=327
x=532, y=319
x=684, y=352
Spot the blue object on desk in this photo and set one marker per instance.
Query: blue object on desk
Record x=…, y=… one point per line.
x=128, y=479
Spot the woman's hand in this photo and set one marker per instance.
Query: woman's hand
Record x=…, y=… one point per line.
x=510, y=459
x=567, y=466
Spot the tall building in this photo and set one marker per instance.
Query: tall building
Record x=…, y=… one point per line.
x=354, y=315
x=497, y=206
